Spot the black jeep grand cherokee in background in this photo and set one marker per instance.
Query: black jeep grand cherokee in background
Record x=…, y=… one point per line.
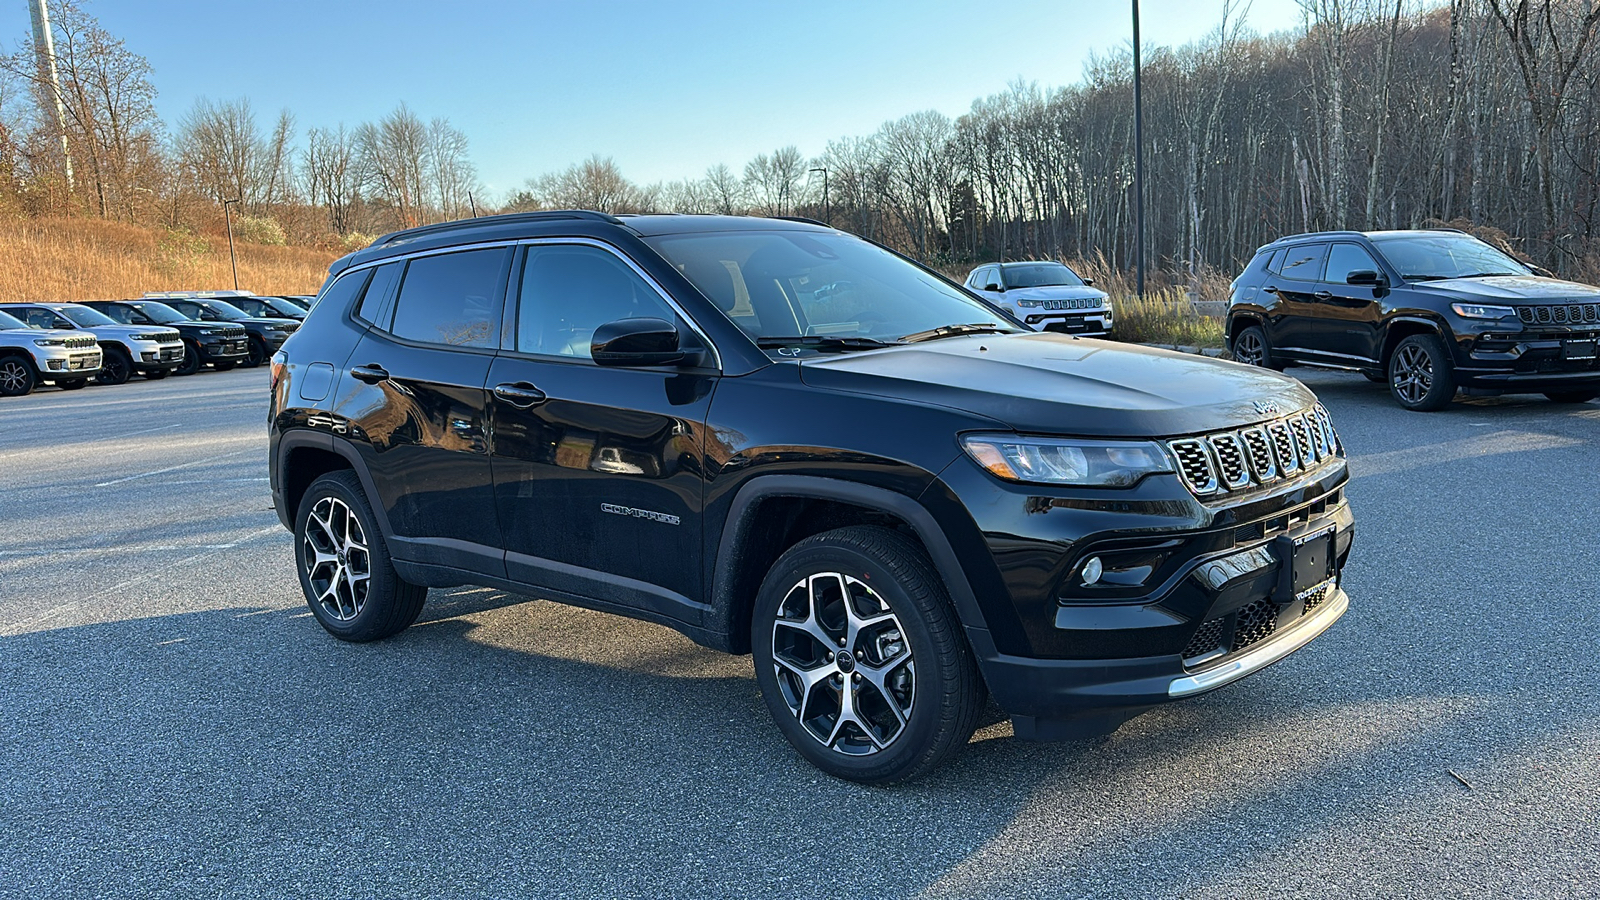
x=783, y=440
x=1425, y=311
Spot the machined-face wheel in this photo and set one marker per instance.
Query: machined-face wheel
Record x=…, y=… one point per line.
x=843, y=664
x=337, y=561
x=15, y=377
x=1411, y=374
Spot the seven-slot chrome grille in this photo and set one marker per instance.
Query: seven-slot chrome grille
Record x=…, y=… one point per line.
x=1560, y=314
x=1256, y=456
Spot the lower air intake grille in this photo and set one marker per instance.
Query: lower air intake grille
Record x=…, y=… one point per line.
x=1256, y=623
x=1207, y=640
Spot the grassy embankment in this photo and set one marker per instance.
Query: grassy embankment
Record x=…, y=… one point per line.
x=90, y=259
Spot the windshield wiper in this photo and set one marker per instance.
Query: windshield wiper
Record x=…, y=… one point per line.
x=1487, y=274
x=823, y=342
x=944, y=331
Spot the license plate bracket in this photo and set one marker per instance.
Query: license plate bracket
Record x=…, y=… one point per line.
x=1581, y=350
x=1303, y=562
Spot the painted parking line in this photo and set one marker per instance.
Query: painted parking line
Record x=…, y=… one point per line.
x=198, y=462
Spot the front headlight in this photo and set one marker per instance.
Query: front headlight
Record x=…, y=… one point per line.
x=49, y=342
x=1479, y=311
x=1065, y=461
x=149, y=337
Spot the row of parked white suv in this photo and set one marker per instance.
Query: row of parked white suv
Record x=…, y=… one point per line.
x=110, y=341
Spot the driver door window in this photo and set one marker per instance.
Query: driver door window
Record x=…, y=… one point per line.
x=569, y=290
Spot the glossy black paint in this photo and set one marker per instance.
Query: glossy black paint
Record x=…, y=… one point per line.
x=271, y=333
x=1313, y=321
x=195, y=334
x=665, y=492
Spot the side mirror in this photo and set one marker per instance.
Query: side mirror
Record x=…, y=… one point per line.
x=637, y=342
x=1366, y=277
x=1089, y=282
x=997, y=288
x=1540, y=271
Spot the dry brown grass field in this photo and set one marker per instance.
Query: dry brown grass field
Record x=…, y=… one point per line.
x=92, y=259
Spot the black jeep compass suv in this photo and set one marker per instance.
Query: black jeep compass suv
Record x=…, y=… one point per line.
x=1425, y=311
x=784, y=440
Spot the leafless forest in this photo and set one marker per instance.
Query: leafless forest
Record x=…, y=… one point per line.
x=1375, y=114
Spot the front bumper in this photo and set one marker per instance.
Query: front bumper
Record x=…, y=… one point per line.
x=1549, y=358
x=149, y=356
x=57, y=362
x=1093, y=321
x=224, y=350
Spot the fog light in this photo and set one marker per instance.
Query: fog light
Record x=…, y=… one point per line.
x=149, y=357
x=1092, y=570
x=56, y=363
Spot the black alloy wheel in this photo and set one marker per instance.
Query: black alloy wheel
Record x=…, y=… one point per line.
x=860, y=658
x=1421, y=375
x=116, y=367
x=16, y=377
x=191, y=359
x=258, y=353
x=345, y=569
x=1250, y=347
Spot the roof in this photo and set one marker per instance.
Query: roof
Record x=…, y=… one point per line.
x=1369, y=235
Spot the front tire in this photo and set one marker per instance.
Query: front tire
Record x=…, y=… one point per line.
x=191, y=360
x=1421, y=374
x=116, y=367
x=345, y=570
x=860, y=658
x=258, y=354
x=17, y=377
x=1572, y=396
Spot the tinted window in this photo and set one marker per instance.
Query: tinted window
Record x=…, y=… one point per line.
x=1304, y=262
x=87, y=317
x=1346, y=258
x=569, y=290
x=1041, y=275
x=122, y=315
x=1445, y=255
x=452, y=298
x=978, y=278
x=374, y=301
x=158, y=312
x=8, y=321
x=42, y=318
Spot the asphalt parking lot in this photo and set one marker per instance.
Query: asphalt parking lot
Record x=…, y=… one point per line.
x=173, y=721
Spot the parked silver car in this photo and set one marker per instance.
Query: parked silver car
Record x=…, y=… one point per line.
x=151, y=351
x=30, y=355
x=1048, y=296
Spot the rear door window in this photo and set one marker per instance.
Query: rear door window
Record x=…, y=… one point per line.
x=1304, y=262
x=452, y=298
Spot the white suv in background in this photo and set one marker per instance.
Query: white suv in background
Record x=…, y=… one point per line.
x=1048, y=296
x=29, y=356
x=149, y=350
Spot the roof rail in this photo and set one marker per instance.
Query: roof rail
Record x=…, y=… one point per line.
x=192, y=295
x=806, y=219
x=1318, y=234
x=1447, y=228
x=399, y=237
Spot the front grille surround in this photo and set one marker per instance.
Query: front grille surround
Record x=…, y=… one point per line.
x=1560, y=314
x=1230, y=461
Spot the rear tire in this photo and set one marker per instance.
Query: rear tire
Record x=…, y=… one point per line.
x=1421, y=374
x=191, y=360
x=345, y=569
x=17, y=377
x=1250, y=347
x=116, y=367
x=1572, y=396
x=861, y=611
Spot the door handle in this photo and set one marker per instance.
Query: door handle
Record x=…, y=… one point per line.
x=520, y=394
x=1270, y=289
x=372, y=373
x=1323, y=295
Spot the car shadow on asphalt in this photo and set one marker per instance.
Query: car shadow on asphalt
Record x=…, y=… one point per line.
x=505, y=743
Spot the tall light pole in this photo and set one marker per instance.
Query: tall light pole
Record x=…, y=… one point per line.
x=827, y=209
x=44, y=46
x=1138, y=159
x=233, y=260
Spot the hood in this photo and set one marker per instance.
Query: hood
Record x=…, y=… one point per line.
x=1044, y=383
x=45, y=333
x=262, y=320
x=1054, y=292
x=113, y=331
x=1511, y=288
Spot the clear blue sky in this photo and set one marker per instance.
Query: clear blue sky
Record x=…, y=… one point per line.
x=665, y=88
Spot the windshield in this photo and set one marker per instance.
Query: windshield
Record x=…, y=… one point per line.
x=160, y=312
x=1039, y=275
x=292, y=310
x=8, y=321
x=197, y=309
x=803, y=284
x=1433, y=256
x=84, y=317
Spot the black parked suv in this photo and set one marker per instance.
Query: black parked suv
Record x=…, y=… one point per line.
x=263, y=336
x=222, y=345
x=1427, y=312
x=783, y=440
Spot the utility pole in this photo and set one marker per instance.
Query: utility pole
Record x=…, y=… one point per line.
x=1138, y=158
x=44, y=46
x=234, y=260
